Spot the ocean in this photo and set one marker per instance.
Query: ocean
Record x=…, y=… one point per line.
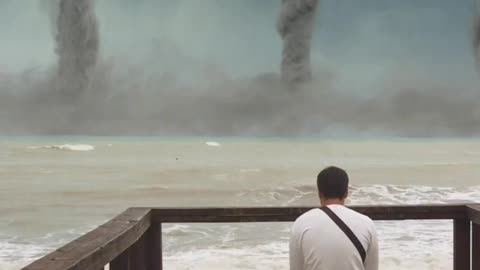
x=53, y=189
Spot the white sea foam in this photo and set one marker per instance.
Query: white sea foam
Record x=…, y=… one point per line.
x=412, y=194
x=368, y=195
x=263, y=256
x=274, y=255
x=15, y=254
x=175, y=229
x=214, y=144
x=251, y=170
x=66, y=147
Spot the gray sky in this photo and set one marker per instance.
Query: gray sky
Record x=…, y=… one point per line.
x=407, y=67
x=240, y=35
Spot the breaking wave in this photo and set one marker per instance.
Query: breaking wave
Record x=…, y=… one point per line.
x=67, y=147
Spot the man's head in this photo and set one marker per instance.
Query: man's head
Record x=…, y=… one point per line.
x=332, y=184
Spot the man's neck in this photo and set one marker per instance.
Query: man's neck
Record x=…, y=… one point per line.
x=332, y=201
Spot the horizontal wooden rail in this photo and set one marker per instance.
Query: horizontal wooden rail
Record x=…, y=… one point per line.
x=99, y=247
x=276, y=214
x=473, y=213
x=133, y=239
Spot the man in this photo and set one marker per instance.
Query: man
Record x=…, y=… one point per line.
x=333, y=237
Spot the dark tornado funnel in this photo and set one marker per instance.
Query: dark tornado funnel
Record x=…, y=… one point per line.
x=295, y=26
x=77, y=45
x=476, y=38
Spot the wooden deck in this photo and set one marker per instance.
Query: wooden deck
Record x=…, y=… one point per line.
x=133, y=240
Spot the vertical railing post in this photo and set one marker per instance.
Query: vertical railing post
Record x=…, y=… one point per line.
x=137, y=254
x=145, y=254
x=133, y=258
x=122, y=261
x=476, y=246
x=154, y=247
x=461, y=244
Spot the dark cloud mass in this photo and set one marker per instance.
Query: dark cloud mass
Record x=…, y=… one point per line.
x=77, y=46
x=161, y=85
x=295, y=26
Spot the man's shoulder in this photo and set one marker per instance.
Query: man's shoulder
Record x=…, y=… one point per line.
x=313, y=214
x=359, y=215
x=306, y=217
x=354, y=216
x=310, y=213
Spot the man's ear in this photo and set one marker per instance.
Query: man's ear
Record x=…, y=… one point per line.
x=347, y=194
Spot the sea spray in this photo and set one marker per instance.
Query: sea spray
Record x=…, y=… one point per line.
x=295, y=26
x=77, y=43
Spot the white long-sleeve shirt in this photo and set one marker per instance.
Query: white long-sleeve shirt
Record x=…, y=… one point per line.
x=317, y=243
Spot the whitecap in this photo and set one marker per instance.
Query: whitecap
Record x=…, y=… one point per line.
x=16, y=254
x=66, y=147
x=252, y=170
x=214, y=144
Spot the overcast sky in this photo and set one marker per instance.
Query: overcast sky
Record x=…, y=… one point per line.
x=351, y=35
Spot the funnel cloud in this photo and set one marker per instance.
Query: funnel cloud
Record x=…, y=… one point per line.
x=77, y=43
x=295, y=26
x=159, y=72
x=476, y=34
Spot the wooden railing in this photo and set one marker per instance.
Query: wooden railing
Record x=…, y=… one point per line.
x=133, y=240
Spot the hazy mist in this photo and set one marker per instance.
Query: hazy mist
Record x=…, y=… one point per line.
x=213, y=67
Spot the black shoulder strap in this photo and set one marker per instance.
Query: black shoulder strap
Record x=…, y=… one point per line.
x=347, y=231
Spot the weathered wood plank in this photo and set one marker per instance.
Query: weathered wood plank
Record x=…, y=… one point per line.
x=476, y=246
x=154, y=247
x=138, y=254
x=461, y=244
x=100, y=246
x=194, y=215
x=122, y=261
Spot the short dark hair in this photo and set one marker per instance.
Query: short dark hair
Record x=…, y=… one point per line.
x=332, y=183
